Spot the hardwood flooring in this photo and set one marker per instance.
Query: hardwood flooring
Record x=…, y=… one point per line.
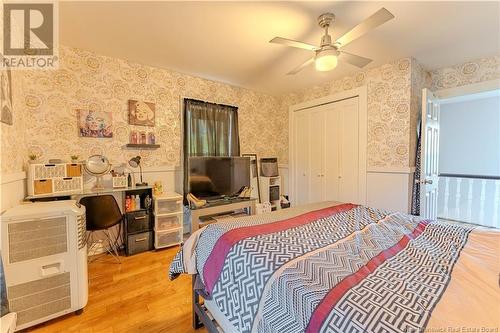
x=134, y=296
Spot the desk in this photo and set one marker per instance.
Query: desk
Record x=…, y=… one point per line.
x=129, y=232
x=218, y=208
x=75, y=195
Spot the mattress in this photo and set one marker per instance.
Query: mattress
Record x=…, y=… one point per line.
x=343, y=267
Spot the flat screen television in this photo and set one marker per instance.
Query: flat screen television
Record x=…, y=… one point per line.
x=215, y=177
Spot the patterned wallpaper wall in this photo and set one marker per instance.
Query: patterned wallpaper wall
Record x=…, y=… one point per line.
x=49, y=100
x=474, y=71
x=45, y=106
x=420, y=79
x=389, y=90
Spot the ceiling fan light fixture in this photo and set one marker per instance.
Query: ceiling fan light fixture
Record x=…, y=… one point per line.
x=326, y=60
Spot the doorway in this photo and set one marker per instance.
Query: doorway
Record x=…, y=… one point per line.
x=469, y=158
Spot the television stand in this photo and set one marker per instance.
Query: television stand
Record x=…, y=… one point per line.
x=219, y=207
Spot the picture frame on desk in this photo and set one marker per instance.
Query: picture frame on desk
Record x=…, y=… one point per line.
x=254, y=171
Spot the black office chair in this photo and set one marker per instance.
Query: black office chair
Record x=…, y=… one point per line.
x=102, y=213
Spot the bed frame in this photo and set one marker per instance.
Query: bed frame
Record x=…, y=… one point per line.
x=201, y=315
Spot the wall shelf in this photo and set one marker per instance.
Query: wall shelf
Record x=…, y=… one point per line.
x=141, y=146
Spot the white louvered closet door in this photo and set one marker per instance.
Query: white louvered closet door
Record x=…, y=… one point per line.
x=301, y=175
x=332, y=153
x=317, y=155
x=348, y=146
x=326, y=153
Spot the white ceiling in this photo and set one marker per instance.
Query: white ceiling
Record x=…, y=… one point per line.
x=228, y=41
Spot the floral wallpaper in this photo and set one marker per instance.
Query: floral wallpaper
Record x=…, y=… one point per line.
x=49, y=101
x=420, y=79
x=478, y=70
x=389, y=90
x=45, y=104
x=13, y=146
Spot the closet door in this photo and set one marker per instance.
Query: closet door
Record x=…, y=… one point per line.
x=302, y=143
x=317, y=142
x=348, y=150
x=332, y=153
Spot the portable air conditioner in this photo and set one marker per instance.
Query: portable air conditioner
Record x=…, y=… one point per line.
x=45, y=260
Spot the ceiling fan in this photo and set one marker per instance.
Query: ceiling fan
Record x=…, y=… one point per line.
x=328, y=53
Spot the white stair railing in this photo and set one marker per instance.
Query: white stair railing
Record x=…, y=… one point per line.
x=470, y=198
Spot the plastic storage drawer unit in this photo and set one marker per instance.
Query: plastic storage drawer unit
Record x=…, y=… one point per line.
x=167, y=222
x=168, y=238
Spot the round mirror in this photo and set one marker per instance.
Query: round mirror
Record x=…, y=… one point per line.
x=98, y=166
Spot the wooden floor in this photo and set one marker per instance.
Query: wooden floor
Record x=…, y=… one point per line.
x=134, y=296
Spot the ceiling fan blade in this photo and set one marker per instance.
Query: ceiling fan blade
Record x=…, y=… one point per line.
x=293, y=43
x=301, y=67
x=353, y=59
x=380, y=17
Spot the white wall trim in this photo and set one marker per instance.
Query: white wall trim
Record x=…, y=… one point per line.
x=6, y=178
x=361, y=93
x=391, y=170
x=468, y=89
x=159, y=169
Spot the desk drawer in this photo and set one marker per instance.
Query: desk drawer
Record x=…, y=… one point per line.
x=138, y=221
x=138, y=243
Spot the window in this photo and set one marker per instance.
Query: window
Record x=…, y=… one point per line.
x=209, y=130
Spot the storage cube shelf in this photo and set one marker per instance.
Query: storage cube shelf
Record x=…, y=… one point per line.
x=168, y=227
x=44, y=179
x=67, y=184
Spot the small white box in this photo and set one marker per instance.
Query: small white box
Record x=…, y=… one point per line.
x=262, y=208
x=120, y=182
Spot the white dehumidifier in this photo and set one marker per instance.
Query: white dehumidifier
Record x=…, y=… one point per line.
x=45, y=259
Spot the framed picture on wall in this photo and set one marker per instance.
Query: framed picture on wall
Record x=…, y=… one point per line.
x=141, y=113
x=95, y=124
x=6, y=97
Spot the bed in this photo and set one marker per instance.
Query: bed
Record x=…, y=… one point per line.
x=336, y=267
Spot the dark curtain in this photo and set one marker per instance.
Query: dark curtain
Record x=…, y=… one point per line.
x=415, y=204
x=209, y=130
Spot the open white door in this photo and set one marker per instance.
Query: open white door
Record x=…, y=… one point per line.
x=429, y=155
